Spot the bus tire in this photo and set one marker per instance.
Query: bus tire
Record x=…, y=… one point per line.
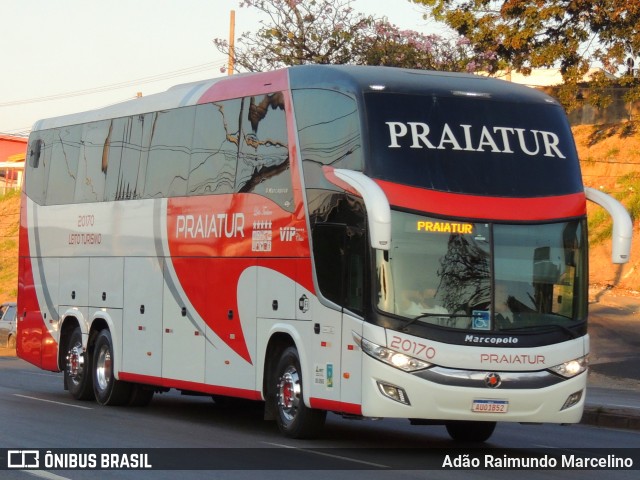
x=77, y=368
x=107, y=389
x=474, y=432
x=294, y=418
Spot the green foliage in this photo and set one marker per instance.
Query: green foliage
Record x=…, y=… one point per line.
x=9, y=194
x=570, y=34
x=630, y=195
x=331, y=32
x=600, y=226
x=599, y=221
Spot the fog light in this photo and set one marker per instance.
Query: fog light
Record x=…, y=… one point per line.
x=572, y=400
x=394, y=393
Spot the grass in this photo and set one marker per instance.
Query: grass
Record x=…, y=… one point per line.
x=9, y=227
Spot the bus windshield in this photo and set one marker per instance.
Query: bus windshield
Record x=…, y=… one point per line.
x=483, y=276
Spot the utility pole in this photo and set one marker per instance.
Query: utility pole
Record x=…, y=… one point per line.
x=232, y=35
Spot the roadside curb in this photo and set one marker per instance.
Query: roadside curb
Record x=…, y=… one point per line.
x=601, y=416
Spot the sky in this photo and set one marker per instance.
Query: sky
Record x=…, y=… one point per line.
x=88, y=54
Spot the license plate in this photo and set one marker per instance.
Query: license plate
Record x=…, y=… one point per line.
x=490, y=406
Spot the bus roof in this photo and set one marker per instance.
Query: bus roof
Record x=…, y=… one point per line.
x=347, y=78
x=402, y=80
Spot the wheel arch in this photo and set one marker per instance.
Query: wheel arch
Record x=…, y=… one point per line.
x=279, y=341
x=69, y=323
x=281, y=337
x=98, y=324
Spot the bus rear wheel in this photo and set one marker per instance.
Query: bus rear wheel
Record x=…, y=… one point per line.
x=294, y=418
x=107, y=389
x=470, y=431
x=77, y=369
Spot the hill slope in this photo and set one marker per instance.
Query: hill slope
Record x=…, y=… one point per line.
x=9, y=221
x=610, y=159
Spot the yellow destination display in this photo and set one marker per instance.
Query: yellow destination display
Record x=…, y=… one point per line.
x=444, y=227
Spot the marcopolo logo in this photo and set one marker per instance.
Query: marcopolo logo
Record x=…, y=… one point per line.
x=482, y=340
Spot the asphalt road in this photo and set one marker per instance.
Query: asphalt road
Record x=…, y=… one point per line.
x=37, y=413
x=614, y=327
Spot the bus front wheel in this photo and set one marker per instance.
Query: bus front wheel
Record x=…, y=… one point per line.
x=293, y=417
x=107, y=389
x=470, y=431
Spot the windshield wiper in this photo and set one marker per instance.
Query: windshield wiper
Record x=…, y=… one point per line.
x=542, y=328
x=440, y=315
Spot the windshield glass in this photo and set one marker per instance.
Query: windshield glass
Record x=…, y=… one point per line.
x=482, y=276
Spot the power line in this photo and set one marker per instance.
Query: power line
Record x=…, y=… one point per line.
x=587, y=162
x=115, y=86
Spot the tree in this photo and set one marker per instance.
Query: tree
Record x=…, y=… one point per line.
x=389, y=46
x=331, y=32
x=300, y=32
x=572, y=34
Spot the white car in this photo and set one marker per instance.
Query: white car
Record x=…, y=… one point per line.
x=8, y=325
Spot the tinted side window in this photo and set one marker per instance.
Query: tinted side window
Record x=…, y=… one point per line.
x=38, y=154
x=329, y=133
x=214, y=154
x=328, y=252
x=92, y=166
x=65, y=150
x=170, y=153
x=116, y=187
x=263, y=164
x=135, y=152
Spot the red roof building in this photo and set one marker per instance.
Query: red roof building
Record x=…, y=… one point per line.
x=12, y=155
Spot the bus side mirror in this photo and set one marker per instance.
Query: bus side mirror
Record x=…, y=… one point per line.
x=622, y=224
x=376, y=203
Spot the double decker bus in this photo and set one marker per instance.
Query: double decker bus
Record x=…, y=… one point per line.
x=368, y=241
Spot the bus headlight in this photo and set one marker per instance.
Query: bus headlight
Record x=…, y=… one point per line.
x=390, y=357
x=572, y=367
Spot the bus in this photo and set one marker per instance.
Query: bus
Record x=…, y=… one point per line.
x=367, y=241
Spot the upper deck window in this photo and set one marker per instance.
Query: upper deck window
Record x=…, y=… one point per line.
x=329, y=132
x=475, y=146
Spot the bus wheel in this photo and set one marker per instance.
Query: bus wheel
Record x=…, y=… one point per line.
x=293, y=417
x=470, y=431
x=107, y=389
x=77, y=370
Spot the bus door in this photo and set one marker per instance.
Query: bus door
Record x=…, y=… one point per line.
x=339, y=253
